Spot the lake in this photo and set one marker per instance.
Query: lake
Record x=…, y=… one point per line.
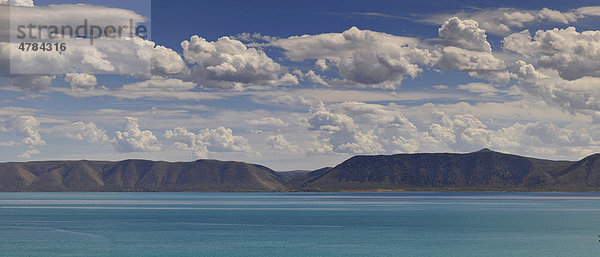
x=299, y=224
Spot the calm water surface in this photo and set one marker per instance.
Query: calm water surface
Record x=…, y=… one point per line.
x=299, y=224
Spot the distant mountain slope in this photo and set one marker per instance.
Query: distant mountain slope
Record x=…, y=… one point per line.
x=483, y=170
x=138, y=175
x=583, y=175
x=295, y=180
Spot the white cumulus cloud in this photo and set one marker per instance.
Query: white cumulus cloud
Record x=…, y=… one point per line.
x=28, y=128
x=464, y=34
x=573, y=54
x=465, y=48
x=81, y=80
x=362, y=57
x=208, y=140
x=279, y=142
x=133, y=139
x=166, y=62
x=230, y=64
x=84, y=132
x=503, y=21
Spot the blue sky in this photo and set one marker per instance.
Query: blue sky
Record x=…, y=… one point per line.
x=213, y=19
x=308, y=84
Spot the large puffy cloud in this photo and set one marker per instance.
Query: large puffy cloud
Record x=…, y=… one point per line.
x=206, y=141
x=321, y=64
x=228, y=63
x=579, y=95
x=362, y=57
x=133, y=139
x=314, y=78
x=83, y=132
x=222, y=140
x=392, y=129
x=462, y=132
x=340, y=131
x=464, y=34
x=279, y=143
x=187, y=141
x=502, y=21
x=165, y=62
x=81, y=80
x=466, y=49
x=482, y=65
x=355, y=127
x=27, y=127
x=573, y=54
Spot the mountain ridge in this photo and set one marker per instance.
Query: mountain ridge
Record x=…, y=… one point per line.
x=483, y=170
x=135, y=175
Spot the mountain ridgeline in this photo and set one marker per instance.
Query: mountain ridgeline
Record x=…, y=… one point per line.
x=483, y=170
x=138, y=176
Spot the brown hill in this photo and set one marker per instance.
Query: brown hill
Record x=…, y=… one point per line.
x=138, y=175
x=483, y=170
x=583, y=175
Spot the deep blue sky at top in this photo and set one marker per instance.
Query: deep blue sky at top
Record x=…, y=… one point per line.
x=177, y=20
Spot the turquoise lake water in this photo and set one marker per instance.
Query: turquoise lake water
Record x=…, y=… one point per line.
x=299, y=224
